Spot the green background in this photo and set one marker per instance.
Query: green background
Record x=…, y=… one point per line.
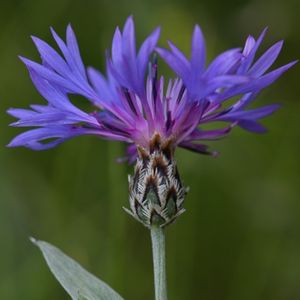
x=240, y=236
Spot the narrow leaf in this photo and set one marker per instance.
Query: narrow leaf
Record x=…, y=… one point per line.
x=74, y=279
x=81, y=297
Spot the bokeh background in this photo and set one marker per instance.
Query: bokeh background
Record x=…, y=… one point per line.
x=240, y=236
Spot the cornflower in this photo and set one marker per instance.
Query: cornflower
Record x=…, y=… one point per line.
x=154, y=116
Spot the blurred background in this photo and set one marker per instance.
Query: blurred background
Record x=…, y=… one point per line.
x=240, y=236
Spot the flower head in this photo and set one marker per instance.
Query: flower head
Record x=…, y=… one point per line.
x=132, y=105
x=140, y=108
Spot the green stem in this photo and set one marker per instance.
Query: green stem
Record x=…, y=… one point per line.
x=159, y=262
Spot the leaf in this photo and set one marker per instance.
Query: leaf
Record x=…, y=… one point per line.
x=81, y=297
x=77, y=282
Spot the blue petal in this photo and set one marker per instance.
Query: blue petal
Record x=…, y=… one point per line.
x=128, y=38
x=116, y=50
x=198, y=53
x=74, y=50
x=31, y=139
x=250, y=43
x=266, y=60
x=145, y=51
x=199, y=148
x=101, y=86
x=223, y=63
x=255, y=85
x=51, y=57
x=21, y=113
x=179, y=55
x=47, y=119
x=252, y=126
x=253, y=114
x=49, y=75
x=250, y=51
x=176, y=64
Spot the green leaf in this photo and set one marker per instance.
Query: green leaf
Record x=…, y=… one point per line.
x=78, y=283
x=81, y=297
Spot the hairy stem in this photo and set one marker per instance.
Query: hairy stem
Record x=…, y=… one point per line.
x=159, y=262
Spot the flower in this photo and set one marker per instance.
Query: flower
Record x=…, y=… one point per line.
x=152, y=116
x=132, y=110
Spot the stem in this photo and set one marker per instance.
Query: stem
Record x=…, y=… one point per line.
x=159, y=262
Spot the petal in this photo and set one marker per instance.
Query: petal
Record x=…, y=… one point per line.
x=222, y=82
x=198, y=148
x=177, y=65
x=47, y=119
x=244, y=101
x=250, y=51
x=57, y=98
x=223, y=63
x=256, y=85
x=266, y=60
x=31, y=139
x=145, y=51
x=100, y=84
x=250, y=43
x=179, y=55
x=215, y=134
x=116, y=49
x=21, y=113
x=50, y=75
x=128, y=38
x=198, y=53
x=252, y=126
x=252, y=114
x=64, y=49
x=51, y=57
x=74, y=50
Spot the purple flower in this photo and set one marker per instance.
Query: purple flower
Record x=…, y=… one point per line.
x=133, y=105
